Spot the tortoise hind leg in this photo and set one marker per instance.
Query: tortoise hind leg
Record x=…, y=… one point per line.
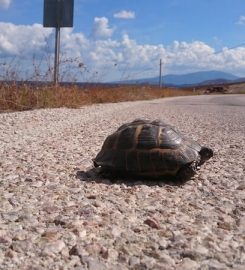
x=187, y=171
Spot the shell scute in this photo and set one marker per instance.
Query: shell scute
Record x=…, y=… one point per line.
x=126, y=138
x=169, y=138
x=147, y=138
x=132, y=161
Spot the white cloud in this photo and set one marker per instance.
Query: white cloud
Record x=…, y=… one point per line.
x=22, y=39
x=241, y=20
x=196, y=53
x=5, y=3
x=74, y=44
x=101, y=28
x=124, y=14
x=116, y=56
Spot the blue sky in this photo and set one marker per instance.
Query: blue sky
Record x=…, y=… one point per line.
x=135, y=34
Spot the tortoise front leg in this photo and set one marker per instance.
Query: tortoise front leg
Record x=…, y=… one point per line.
x=187, y=171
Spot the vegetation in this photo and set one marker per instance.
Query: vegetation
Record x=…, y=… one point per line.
x=14, y=97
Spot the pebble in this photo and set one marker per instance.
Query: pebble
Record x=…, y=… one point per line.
x=133, y=261
x=53, y=248
x=94, y=264
x=187, y=264
x=241, y=186
x=153, y=223
x=167, y=260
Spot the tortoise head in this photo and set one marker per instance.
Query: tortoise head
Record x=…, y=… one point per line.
x=205, y=153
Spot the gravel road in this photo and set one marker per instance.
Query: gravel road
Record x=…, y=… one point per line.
x=53, y=218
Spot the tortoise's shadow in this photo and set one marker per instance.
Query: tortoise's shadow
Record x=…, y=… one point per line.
x=97, y=176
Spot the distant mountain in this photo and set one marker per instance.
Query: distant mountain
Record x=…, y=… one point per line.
x=201, y=77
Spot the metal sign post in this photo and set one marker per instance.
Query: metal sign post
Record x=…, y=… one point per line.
x=57, y=55
x=58, y=13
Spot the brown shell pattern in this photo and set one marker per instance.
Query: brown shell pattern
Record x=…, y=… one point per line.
x=147, y=148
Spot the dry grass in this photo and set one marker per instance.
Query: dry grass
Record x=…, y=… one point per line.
x=25, y=97
x=238, y=88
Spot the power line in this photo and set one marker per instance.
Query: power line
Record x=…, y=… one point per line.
x=231, y=48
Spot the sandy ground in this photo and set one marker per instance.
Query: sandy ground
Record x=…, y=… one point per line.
x=53, y=218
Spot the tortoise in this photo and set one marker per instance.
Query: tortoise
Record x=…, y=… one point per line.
x=151, y=149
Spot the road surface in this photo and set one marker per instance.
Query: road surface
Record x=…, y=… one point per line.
x=52, y=218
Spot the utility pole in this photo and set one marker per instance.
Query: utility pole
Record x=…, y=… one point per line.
x=160, y=74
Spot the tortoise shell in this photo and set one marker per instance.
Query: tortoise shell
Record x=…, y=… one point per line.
x=150, y=148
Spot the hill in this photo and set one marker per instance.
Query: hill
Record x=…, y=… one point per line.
x=201, y=77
